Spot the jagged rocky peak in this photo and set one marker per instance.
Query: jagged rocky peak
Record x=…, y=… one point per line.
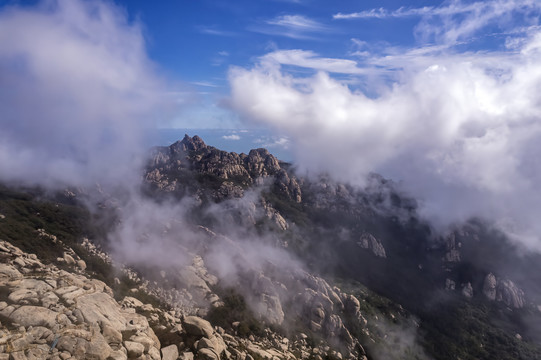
x=189, y=144
x=190, y=161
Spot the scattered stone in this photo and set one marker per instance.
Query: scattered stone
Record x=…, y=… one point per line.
x=81, y=264
x=134, y=349
x=69, y=259
x=207, y=354
x=170, y=352
x=467, y=290
x=186, y=356
x=450, y=284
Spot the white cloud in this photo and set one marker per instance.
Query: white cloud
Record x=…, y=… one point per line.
x=311, y=60
x=297, y=22
x=231, y=137
x=273, y=142
x=451, y=8
x=204, y=84
x=292, y=26
x=455, y=20
x=459, y=131
x=77, y=92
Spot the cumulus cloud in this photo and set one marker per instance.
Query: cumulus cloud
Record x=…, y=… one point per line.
x=77, y=92
x=460, y=131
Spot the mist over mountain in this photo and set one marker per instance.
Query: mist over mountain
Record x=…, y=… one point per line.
x=405, y=225
x=271, y=257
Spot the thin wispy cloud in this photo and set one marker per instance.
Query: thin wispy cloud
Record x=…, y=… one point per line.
x=311, y=60
x=273, y=142
x=213, y=30
x=204, y=84
x=456, y=20
x=454, y=8
x=297, y=22
x=231, y=137
x=292, y=26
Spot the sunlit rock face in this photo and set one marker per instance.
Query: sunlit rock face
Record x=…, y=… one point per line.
x=229, y=173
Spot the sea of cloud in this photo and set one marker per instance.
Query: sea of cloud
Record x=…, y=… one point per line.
x=458, y=130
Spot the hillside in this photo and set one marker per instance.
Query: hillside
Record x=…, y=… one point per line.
x=236, y=256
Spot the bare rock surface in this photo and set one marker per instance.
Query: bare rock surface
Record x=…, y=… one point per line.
x=369, y=242
x=57, y=314
x=503, y=290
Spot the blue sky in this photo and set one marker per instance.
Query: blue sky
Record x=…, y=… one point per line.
x=442, y=97
x=195, y=44
x=198, y=42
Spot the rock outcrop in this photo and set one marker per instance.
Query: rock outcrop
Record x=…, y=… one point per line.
x=503, y=290
x=50, y=313
x=452, y=254
x=369, y=242
x=177, y=168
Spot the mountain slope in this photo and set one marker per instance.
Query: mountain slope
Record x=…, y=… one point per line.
x=281, y=265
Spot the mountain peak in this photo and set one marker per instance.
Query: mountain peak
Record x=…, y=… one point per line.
x=193, y=143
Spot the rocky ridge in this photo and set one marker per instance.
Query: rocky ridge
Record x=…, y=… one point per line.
x=230, y=173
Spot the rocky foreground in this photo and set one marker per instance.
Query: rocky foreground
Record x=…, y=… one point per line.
x=52, y=313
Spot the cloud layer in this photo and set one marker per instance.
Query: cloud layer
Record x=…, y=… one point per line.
x=77, y=90
x=460, y=131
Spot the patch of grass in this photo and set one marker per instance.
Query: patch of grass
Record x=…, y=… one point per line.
x=471, y=330
x=26, y=212
x=235, y=309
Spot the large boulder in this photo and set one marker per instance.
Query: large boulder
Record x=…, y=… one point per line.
x=197, y=327
x=100, y=308
x=34, y=316
x=134, y=349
